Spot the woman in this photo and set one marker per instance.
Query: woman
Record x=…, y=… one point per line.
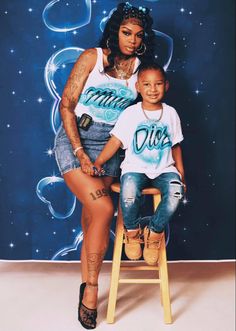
x=101, y=85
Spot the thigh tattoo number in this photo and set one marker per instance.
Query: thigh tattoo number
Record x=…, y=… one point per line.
x=99, y=194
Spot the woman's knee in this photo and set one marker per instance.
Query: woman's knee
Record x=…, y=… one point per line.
x=85, y=219
x=108, y=208
x=104, y=208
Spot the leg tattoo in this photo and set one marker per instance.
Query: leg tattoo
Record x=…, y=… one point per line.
x=94, y=266
x=95, y=261
x=99, y=194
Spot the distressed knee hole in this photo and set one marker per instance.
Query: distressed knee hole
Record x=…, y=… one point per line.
x=178, y=195
x=175, y=182
x=129, y=201
x=177, y=192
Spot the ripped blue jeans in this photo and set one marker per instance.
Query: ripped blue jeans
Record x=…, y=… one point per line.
x=132, y=183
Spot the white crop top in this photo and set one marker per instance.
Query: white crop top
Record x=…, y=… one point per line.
x=105, y=97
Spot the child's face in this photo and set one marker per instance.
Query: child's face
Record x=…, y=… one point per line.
x=152, y=86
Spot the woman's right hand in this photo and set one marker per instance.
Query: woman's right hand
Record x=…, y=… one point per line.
x=85, y=162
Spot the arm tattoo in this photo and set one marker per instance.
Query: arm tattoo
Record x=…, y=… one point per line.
x=76, y=79
x=70, y=97
x=70, y=127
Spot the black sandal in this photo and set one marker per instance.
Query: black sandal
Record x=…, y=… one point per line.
x=86, y=316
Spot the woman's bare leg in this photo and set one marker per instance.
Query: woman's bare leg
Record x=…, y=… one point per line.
x=83, y=258
x=95, y=198
x=85, y=219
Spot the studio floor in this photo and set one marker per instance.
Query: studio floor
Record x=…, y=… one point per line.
x=37, y=296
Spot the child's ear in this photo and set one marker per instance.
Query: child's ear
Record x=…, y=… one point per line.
x=137, y=87
x=167, y=85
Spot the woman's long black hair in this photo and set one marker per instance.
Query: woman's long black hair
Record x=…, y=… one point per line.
x=110, y=34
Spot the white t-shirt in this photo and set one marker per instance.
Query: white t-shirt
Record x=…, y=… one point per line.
x=105, y=97
x=148, y=143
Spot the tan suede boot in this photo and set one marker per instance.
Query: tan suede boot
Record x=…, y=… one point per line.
x=132, y=244
x=152, y=244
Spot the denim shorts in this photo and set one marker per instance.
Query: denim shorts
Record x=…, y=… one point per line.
x=92, y=141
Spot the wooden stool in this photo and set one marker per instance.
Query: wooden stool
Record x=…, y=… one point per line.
x=116, y=264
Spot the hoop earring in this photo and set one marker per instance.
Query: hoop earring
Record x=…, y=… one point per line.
x=141, y=50
x=107, y=43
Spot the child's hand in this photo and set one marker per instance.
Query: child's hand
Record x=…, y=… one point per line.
x=98, y=170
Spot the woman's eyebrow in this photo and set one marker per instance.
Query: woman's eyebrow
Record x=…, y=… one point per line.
x=125, y=27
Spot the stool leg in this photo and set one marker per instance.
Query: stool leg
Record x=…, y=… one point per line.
x=164, y=285
x=115, y=268
x=161, y=299
x=156, y=201
x=163, y=274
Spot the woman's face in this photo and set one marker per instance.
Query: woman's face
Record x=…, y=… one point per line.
x=130, y=36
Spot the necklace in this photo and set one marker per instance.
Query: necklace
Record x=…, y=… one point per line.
x=125, y=72
x=153, y=119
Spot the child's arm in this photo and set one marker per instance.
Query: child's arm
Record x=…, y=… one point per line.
x=108, y=151
x=177, y=156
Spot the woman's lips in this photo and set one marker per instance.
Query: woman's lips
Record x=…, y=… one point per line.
x=130, y=49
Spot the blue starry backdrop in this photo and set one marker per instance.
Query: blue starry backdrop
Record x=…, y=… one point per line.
x=40, y=41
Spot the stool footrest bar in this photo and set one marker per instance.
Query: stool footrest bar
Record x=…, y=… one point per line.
x=139, y=281
x=138, y=268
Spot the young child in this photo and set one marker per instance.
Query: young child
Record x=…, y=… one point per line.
x=150, y=132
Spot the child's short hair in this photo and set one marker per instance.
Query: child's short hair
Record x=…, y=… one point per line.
x=151, y=65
